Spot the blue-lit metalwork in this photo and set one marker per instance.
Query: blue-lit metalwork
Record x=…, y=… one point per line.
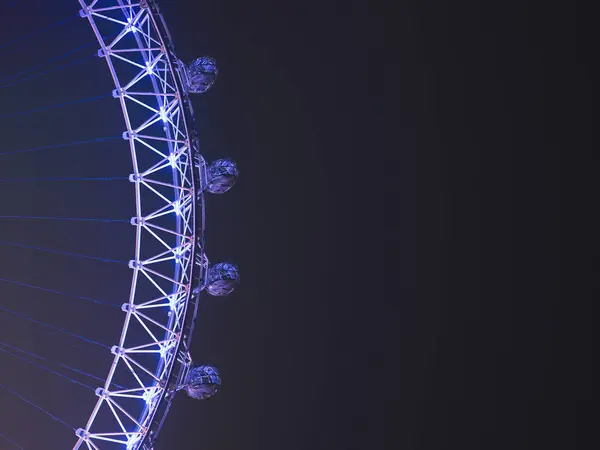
x=169, y=178
x=161, y=84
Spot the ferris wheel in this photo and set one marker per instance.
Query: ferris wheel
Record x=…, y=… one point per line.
x=150, y=360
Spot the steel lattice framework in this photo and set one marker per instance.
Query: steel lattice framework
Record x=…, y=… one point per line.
x=168, y=176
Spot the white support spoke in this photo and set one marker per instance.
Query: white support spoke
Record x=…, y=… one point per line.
x=141, y=367
x=115, y=415
x=173, y=252
x=136, y=50
x=154, y=338
x=157, y=237
x=143, y=348
x=140, y=316
x=133, y=372
x=112, y=8
x=102, y=16
x=164, y=277
x=105, y=437
x=129, y=61
x=171, y=257
x=166, y=230
x=162, y=211
x=152, y=189
x=159, y=138
x=156, y=167
x=132, y=393
x=137, y=139
x=150, y=94
x=155, y=305
x=112, y=402
x=156, y=285
x=141, y=103
x=169, y=185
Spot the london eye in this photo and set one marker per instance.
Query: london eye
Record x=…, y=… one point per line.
x=108, y=239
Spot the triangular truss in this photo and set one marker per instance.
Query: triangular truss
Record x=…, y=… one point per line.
x=169, y=220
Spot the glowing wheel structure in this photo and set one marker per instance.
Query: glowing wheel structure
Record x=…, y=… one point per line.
x=170, y=178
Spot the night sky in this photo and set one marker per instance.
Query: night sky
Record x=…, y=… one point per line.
x=284, y=109
x=339, y=117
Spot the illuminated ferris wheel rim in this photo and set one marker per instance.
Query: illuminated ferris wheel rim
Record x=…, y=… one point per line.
x=167, y=102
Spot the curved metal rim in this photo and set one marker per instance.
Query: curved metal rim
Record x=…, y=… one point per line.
x=144, y=19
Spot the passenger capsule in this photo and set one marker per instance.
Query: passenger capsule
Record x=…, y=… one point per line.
x=202, y=382
x=222, y=278
x=222, y=173
x=201, y=74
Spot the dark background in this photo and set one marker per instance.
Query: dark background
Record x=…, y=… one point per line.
x=332, y=109
x=505, y=119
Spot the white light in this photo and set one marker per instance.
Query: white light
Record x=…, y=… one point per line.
x=164, y=348
x=130, y=26
x=163, y=351
x=173, y=302
x=132, y=441
x=148, y=395
x=172, y=160
x=178, y=252
x=163, y=114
